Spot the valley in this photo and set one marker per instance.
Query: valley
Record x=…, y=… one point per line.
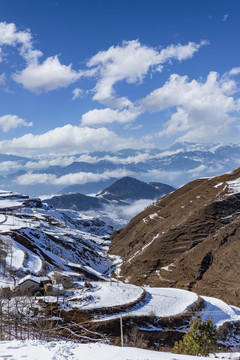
x=175, y=260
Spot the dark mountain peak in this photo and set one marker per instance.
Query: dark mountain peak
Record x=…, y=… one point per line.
x=77, y=202
x=134, y=189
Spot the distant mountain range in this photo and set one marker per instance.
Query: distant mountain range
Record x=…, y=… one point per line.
x=121, y=192
x=90, y=173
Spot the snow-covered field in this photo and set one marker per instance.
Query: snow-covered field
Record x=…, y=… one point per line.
x=219, y=311
x=105, y=294
x=162, y=302
x=39, y=350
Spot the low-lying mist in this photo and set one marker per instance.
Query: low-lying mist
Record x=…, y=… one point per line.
x=119, y=215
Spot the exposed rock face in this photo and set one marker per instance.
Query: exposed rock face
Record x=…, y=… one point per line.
x=188, y=239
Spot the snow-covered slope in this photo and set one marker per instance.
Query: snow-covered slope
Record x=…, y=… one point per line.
x=35, y=239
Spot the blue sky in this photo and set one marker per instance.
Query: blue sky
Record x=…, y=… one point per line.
x=92, y=75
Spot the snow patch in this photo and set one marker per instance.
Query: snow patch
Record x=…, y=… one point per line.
x=233, y=186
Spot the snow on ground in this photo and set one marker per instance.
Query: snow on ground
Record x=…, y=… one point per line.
x=11, y=204
x=152, y=216
x=34, y=263
x=234, y=186
x=103, y=294
x=168, y=267
x=61, y=350
x=219, y=184
x=16, y=257
x=162, y=302
x=143, y=248
x=220, y=311
x=64, y=236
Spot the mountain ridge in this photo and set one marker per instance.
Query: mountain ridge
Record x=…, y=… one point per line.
x=180, y=163
x=158, y=245
x=122, y=192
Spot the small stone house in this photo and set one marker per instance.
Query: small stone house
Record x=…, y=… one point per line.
x=31, y=284
x=60, y=278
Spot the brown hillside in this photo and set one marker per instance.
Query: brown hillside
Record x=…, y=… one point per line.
x=196, y=231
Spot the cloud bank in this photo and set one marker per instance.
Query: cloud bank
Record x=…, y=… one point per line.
x=67, y=139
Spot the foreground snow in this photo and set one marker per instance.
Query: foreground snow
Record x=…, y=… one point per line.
x=38, y=350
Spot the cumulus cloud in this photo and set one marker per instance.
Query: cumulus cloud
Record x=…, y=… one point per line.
x=9, y=35
x=8, y=122
x=131, y=61
x=36, y=77
x=49, y=75
x=203, y=109
x=108, y=116
x=70, y=179
x=69, y=139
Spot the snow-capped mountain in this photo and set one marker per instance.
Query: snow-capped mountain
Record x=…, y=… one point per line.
x=90, y=173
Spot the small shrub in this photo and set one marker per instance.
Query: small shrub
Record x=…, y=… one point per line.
x=201, y=339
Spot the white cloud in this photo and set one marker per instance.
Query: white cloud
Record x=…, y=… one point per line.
x=108, y=116
x=77, y=93
x=49, y=75
x=196, y=172
x=180, y=52
x=3, y=79
x=234, y=71
x=70, y=179
x=204, y=110
x=135, y=208
x=69, y=139
x=45, y=163
x=9, y=165
x=8, y=122
x=31, y=179
x=9, y=35
x=131, y=62
x=36, y=77
x=225, y=16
